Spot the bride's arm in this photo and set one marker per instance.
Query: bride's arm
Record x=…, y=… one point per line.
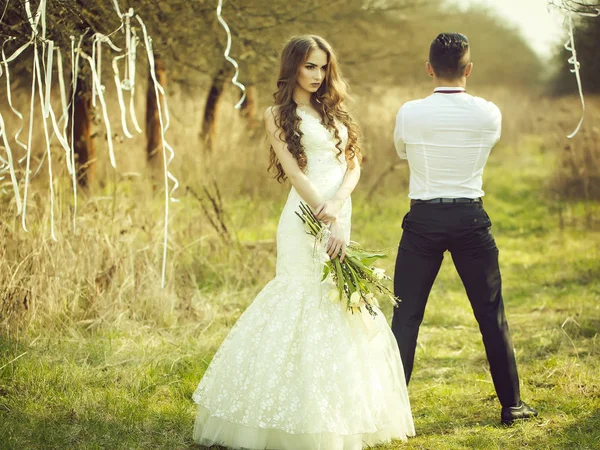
x=299, y=180
x=333, y=206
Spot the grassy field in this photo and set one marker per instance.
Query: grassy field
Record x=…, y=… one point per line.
x=112, y=362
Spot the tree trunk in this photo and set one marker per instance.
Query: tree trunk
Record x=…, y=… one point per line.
x=153, y=131
x=215, y=94
x=83, y=143
x=249, y=106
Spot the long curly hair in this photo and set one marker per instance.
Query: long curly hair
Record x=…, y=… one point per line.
x=328, y=100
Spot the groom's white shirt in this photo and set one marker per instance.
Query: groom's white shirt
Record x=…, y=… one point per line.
x=447, y=138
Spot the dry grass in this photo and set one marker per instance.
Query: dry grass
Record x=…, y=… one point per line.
x=116, y=247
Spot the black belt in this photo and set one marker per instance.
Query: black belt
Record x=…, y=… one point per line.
x=447, y=200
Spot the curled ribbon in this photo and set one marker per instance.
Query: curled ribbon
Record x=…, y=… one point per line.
x=131, y=84
x=158, y=91
x=9, y=164
x=29, y=138
x=100, y=93
x=74, y=77
x=570, y=46
x=229, y=58
x=120, y=95
x=33, y=22
x=5, y=62
x=42, y=78
x=36, y=64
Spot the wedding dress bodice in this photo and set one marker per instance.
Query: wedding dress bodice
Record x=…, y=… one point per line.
x=325, y=169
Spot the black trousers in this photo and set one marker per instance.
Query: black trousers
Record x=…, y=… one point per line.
x=464, y=230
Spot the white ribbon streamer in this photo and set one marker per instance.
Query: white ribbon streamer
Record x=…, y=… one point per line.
x=230, y=59
x=10, y=165
x=570, y=45
x=61, y=138
x=30, y=135
x=106, y=40
x=158, y=90
x=63, y=93
x=128, y=80
x=48, y=110
x=5, y=62
x=33, y=22
x=48, y=83
x=99, y=63
x=4, y=12
x=74, y=78
x=133, y=54
x=100, y=94
x=65, y=111
x=36, y=63
x=120, y=95
x=117, y=9
x=42, y=79
x=94, y=47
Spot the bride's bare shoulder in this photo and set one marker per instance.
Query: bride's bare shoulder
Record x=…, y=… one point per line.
x=272, y=113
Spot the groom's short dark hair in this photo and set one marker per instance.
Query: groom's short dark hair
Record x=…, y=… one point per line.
x=446, y=55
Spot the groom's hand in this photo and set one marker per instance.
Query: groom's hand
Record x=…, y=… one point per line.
x=329, y=211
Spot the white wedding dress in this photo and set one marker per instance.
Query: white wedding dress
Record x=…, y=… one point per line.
x=297, y=371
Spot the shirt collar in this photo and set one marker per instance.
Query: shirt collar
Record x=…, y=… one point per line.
x=449, y=90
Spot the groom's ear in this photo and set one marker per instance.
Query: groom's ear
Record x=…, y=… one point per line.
x=468, y=69
x=429, y=68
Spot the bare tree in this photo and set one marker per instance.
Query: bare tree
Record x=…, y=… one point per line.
x=213, y=100
x=83, y=143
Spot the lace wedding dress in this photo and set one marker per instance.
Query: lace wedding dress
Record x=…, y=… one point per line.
x=297, y=371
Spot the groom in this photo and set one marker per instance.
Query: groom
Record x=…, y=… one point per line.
x=447, y=138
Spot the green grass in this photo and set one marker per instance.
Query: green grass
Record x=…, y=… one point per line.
x=130, y=386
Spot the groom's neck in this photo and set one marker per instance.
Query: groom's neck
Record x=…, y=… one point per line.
x=458, y=82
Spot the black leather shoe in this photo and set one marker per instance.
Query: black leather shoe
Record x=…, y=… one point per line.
x=521, y=412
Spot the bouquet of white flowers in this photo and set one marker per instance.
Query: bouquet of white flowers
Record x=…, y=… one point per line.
x=356, y=278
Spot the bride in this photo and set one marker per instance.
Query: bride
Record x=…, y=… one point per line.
x=297, y=371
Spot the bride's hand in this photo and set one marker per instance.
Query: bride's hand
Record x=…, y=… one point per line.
x=329, y=211
x=337, y=243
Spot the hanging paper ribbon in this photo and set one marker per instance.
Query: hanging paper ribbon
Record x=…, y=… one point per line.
x=29, y=138
x=120, y=95
x=74, y=78
x=42, y=79
x=36, y=63
x=132, y=59
x=10, y=165
x=33, y=22
x=570, y=46
x=230, y=59
x=5, y=62
x=158, y=91
x=100, y=93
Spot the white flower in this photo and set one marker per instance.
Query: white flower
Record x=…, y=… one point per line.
x=355, y=298
x=379, y=273
x=371, y=299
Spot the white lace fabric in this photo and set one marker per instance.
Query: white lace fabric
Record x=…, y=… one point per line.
x=297, y=371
